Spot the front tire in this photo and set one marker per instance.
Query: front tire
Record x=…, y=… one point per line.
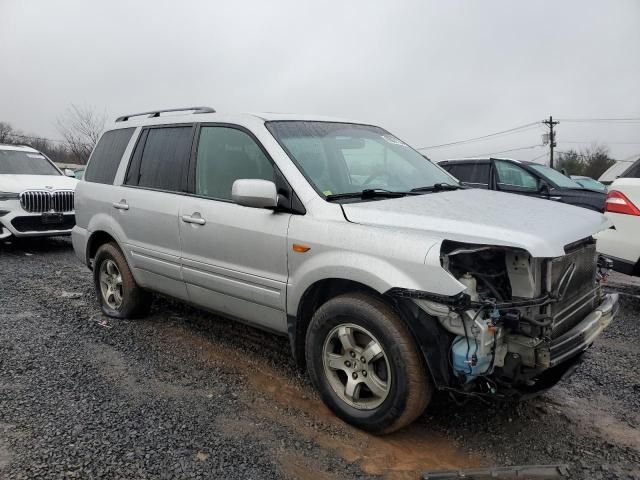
x=365, y=364
x=118, y=293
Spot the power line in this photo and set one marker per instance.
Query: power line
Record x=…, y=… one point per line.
x=600, y=120
x=607, y=143
x=509, y=150
x=538, y=157
x=503, y=132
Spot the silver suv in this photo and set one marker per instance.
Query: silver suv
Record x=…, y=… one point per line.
x=389, y=278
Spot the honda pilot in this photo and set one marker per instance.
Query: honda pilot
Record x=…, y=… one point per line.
x=389, y=278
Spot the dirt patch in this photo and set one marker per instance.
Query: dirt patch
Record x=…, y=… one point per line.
x=593, y=413
x=404, y=454
x=115, y=367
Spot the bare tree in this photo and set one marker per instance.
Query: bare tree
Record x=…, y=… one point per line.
x=81, y=127
x=6, y=132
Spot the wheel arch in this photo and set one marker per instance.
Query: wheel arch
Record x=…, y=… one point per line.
x=313, y=298
x=97, y=239
x=431, y=340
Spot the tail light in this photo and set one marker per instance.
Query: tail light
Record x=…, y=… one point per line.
x=617, y=202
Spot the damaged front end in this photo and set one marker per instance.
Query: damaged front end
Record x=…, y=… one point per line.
x=521, y=323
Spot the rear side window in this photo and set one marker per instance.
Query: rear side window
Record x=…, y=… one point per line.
x=107, y=155
x=160, y=159
x=476, y=174
x=633, y=172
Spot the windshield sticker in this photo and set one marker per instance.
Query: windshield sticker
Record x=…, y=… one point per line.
x=327, y=192
x=34, y=155
x=394, y=140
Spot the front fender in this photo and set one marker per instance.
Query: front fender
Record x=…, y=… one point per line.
x=379, y=273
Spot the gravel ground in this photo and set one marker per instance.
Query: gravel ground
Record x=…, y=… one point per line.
x=185, y=394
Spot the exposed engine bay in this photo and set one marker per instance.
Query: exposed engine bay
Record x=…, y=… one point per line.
x=519, y=318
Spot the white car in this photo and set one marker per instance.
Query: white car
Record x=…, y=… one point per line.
x=622, y=242
x=36, y=198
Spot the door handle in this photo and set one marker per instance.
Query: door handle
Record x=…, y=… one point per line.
x=195, y=218
x=121, y=205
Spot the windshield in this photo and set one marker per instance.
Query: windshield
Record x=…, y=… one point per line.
x=25, y=163
x=339, y=158
x=590, y=183
x=556, y=177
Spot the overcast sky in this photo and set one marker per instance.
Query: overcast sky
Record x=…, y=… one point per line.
x=430, y=72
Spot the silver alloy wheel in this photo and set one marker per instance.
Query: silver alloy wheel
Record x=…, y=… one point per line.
x=356, y=366
x=111, y=284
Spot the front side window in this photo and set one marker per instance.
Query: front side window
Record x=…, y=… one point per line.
x=511, y=175
x=225, y=155
x=106, y=157
x=556, y=177
x=340, y=158
x=161, y=158
x=15, y=162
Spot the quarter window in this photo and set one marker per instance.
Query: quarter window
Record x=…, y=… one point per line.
x=161, y=158
x=106, y=157
x=510, y=175
x=225, y=155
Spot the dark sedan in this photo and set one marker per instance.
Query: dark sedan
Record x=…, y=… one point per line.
x=523, y=178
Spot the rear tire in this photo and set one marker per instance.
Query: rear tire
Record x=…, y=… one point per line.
x=364, y=362
x=118, y=293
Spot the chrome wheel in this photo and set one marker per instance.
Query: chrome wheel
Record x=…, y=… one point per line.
x=111, y=284
x=356, y=366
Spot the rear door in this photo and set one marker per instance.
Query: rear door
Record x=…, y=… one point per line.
x=148, y=204
x=472, y=174
x=234, y=257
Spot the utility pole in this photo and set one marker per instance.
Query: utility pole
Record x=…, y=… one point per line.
x=552, y=138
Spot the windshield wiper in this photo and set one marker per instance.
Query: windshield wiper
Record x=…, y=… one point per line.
x=367, y=194
x=438, y=187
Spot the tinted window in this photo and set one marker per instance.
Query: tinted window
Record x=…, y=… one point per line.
x=511, y=175
x=160, y=161
x=25, y=163
x=633, y=172
x=107, y=155
x=224, y=156
x=474, y=173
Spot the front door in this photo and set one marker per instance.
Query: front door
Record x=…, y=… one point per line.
x=234, y=258
x=511, y=178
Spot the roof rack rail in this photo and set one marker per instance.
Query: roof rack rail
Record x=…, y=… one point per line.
x=156, y=113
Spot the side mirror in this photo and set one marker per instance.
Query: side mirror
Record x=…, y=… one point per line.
x=69, y=173
x=255, y=193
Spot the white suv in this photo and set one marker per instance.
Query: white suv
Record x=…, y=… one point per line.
x=389, y=278
x=622, y=242
x=36, y=198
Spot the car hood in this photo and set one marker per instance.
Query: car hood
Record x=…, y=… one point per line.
x=542, y=227
x=20, y=183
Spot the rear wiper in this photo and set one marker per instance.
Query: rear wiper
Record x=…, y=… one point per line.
x=438, y=187
x=366, y=194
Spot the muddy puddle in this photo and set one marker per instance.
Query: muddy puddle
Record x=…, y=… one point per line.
x=283, y=400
